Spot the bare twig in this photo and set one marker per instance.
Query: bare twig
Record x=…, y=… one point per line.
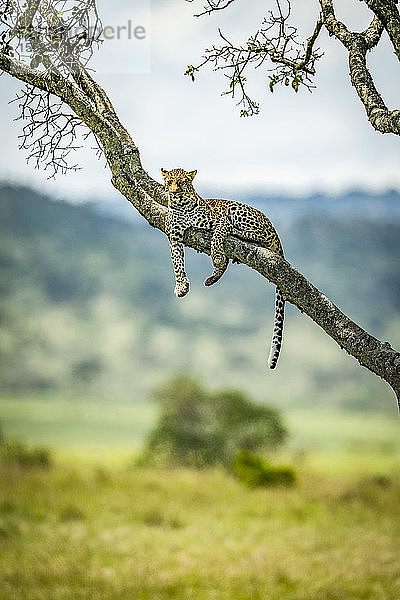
x=36, y=32
x=276, y=41
x=294, y=62
x=49, y=135
x=213, y=5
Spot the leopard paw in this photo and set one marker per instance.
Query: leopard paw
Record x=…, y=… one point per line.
x=210, y=280
x=216, y=274
x=181, y=289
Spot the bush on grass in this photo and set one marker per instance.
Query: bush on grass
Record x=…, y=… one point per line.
x=253, y=471
x=16, y=453
x=199, y=428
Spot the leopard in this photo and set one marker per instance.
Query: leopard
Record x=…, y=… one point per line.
x=186, y=208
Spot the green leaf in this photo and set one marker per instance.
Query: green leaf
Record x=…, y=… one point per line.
x=190, y=70
x=273, y=81
x=36, y=60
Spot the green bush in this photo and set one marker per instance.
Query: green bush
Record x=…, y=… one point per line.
x=199, y=428
x=254, y=471
x=16, y=453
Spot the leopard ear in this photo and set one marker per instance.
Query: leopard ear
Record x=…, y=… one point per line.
x=164, y=172
x=193, y=174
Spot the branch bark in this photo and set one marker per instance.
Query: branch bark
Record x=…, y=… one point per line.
x=387, y=12
x=357, y=45
x=25, y=20
x=149, y=198
x=377, y=356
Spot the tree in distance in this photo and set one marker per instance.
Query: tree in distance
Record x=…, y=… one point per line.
x=199, y=428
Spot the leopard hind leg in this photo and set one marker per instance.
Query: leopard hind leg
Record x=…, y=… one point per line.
x=219, y=260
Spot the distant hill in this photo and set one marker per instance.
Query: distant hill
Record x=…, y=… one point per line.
x=285, y=210
x=87, y=306
x=383, y=208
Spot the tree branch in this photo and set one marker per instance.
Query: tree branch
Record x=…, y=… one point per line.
x=379, y=357
x=310, y=45
x=87, y=99
x=297, y=68
x=116, y=147
x=75, y=67
x=293, y=62
x=388, y=13
x=24, y=22
x=357, y=45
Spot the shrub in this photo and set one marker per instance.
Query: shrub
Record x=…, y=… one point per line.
x=198, y=428
x=19, y=454
x=253, y=471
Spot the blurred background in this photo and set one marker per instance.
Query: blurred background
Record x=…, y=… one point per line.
x=87, y=302
x=90, y=326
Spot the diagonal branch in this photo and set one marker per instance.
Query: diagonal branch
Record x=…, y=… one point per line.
x=357, y=45
x=310, y=45
x=302, y=65
x=94, y=104
x=117, y=149
x=379, y=357
x=75, y=67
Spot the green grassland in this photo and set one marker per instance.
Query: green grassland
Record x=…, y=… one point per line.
x=89, y=325
x=108, y=533
x=97, y=527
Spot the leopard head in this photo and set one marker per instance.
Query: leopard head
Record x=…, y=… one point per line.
x=178, y=181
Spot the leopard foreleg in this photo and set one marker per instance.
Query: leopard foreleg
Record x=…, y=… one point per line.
x=178, y=262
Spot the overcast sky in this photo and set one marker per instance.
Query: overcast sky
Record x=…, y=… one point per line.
x=299, y=143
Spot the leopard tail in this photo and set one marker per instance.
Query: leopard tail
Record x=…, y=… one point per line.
x=277, y=334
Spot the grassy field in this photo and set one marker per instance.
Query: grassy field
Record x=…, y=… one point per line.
x=95, y=527
x=120, y=534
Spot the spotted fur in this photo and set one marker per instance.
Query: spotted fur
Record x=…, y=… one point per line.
x=223, y=217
